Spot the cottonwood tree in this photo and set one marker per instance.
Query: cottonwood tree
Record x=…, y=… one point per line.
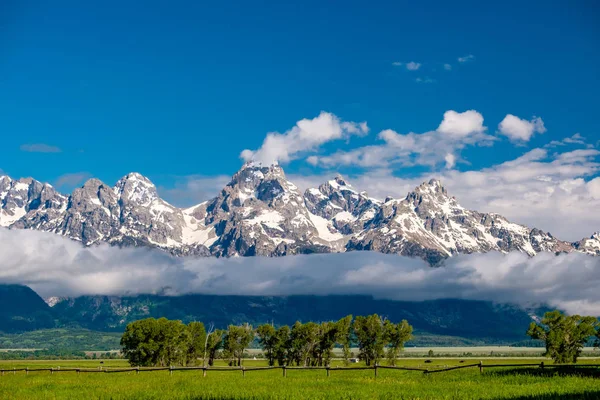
x=302, y=343
x=151, y=342
x=344, y=328
x=214, y=341
x=139, y=342
x=236, y=341
x=267, y=339
x=328, y=335
x=395, y=336
x=281, y=348
x=370, y=338
x=197, y=342
x=564, y=335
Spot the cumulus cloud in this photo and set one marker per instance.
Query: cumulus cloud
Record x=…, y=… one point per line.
x=40, y=148
x=466, y=58
x=448, y=67
x=456, y=131
x=55, y=266
x=461, y=124
x=307, y=135
x=517, y=129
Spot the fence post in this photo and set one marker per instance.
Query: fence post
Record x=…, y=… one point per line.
x=375, y=370
x=243, y=371
x=51, y=371
x=284, y=372
x=170, y=370
x=78, y=370
x=542, y=365
x=480, y=366
x=137, y=370
x=327, y=371
x=204, y=372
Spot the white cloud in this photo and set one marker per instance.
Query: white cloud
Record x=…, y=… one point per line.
x=461, y=124
x=455, y=132
x=447, y=67
x=466, y=58
x=450, y=160
x=307, y=135
x=411, y=66
x=40, y=148
x=517, y=129
x=56, y=266
x=575, y=139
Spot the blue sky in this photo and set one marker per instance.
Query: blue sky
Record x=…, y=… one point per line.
x=177, y=90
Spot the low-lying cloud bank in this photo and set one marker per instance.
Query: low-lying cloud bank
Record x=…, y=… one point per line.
x=56, y=266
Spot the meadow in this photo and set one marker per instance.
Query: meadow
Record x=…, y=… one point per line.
x=498, y=383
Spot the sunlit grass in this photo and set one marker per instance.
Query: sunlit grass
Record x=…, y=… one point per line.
x=299, y=384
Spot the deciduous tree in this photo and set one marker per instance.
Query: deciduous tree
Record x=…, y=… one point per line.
x=564, y=335
x=396, y=335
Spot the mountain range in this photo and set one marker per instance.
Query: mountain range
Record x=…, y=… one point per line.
x=261, y=213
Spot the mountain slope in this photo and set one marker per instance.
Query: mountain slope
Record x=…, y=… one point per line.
x=260, y=212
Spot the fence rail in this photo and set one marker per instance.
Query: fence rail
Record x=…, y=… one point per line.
x=242, y=369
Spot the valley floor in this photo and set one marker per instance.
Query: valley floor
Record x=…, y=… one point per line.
x=497, y=383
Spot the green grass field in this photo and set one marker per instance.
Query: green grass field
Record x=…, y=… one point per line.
x=499, y=383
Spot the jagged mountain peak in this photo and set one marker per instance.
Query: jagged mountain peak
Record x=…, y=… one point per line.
x=93, y=183
x=433, y=186
x=135, y=176
x=134, y=187
x=340, y=182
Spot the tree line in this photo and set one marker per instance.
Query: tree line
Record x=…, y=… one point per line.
x=163, y=342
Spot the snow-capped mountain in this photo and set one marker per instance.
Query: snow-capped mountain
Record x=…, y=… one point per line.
x=430, y=224
x=260, y=212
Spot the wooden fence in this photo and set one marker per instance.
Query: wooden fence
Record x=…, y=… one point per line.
x=284, y=369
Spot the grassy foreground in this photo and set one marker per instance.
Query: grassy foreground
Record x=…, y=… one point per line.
x=499, y=383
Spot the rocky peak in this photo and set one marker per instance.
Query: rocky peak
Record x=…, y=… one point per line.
x=589, y=245
x=431, y=199
x=136, y=188
x=25, y=195
x=94, y=192
x=337, y=201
